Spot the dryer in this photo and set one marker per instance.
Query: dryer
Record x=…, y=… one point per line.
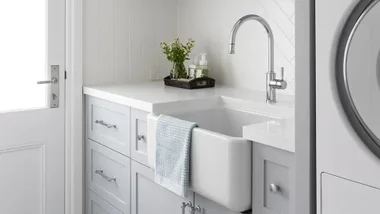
x=348, y=106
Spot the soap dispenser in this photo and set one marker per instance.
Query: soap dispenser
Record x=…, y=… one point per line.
x=203, y=62
x=202, y=70
x=193, y=68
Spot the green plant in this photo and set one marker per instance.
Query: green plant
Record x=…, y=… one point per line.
x=178, y=53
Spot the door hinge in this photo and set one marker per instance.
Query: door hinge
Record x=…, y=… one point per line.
x=65, y=74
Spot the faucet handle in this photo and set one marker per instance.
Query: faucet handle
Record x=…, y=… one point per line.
x=279, y=83
x=282, y=74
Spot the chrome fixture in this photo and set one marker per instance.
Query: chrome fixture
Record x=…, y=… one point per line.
x=184, y=205
x=192, y=209
x=272, y=83
x=274, y=188
x=54, y=86
x=140, y=137
x=101, y=122
x=52, y=81
x=101, y=173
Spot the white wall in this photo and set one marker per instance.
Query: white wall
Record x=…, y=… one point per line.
x=209, y=23
x=122, y=37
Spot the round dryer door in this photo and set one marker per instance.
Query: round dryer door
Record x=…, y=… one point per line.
x=358, y=72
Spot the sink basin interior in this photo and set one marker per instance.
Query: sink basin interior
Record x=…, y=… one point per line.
x=223, y=120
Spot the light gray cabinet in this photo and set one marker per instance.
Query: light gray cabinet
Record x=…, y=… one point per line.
x=148, y=197
x=139, y=141
x=273, y=176
x=119, y=181
x=97, y=205
x=108, y=124
x=108, y=175
x=210, y=207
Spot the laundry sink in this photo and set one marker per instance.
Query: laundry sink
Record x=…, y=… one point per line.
x=225, y=121
x=221, y=160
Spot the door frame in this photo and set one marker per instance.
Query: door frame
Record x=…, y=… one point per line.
x=74, y=122
x=305, y=104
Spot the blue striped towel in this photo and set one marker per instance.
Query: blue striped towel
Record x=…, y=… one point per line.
x=173, y=154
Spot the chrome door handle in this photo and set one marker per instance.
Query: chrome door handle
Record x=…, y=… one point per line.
x=101, y=173
x=101, y=122
x=54, y=87
x=52, y=81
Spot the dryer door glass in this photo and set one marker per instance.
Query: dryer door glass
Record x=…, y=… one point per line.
x=358, y=72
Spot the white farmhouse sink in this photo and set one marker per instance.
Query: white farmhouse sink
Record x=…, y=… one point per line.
x=225, y=121
x=221, y=161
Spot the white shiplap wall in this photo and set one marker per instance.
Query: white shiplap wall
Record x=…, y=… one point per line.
x=209, y=23
x=121, y=39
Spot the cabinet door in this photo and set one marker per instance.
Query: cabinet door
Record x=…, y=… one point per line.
x=148, y=197
x=273, y=180
x=210, y=207
x=97, y=205
x=139, y=141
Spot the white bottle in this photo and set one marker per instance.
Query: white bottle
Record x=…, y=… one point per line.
x=203, y=62
x=192, y=68
x=202, y=68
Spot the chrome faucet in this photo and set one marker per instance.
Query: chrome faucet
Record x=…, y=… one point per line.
x=272, y=83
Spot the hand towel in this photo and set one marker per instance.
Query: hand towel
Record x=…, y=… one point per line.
x=173, y=138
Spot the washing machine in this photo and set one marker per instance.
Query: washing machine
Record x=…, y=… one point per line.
x=348, y=106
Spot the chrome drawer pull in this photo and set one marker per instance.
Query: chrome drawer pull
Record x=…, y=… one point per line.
x=101, y=173
x=274, y=188
x=101, y=122
x=140, y=137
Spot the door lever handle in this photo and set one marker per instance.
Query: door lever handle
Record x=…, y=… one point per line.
x=52, y=81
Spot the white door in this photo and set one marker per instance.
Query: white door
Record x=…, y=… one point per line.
x=32, y=42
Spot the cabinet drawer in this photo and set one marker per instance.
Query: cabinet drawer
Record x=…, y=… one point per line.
x=108, y=124
x=97, y=205
x=108, y=175
x=273, y=189
x=139, y=147
x=149, y=197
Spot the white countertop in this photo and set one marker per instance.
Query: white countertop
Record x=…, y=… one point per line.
x=155, y=97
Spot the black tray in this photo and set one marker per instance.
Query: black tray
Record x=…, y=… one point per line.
x=197, y=83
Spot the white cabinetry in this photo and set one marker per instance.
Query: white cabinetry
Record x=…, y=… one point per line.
x=273, y=176
x=148, y=197
x=119, y=180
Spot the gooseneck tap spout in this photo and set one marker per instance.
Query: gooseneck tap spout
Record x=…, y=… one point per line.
x=268, y=29
x=272, y=82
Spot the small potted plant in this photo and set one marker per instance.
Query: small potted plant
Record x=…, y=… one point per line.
x=177, y=53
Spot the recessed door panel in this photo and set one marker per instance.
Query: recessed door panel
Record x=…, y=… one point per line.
x=340, y=196
x=24, y=183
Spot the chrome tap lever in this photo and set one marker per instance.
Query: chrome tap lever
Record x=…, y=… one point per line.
x=283, y=83
x=282, y=74
x=279, y=83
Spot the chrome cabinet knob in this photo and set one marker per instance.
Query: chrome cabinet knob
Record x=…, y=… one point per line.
x=140, y=137
x=274, y=188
